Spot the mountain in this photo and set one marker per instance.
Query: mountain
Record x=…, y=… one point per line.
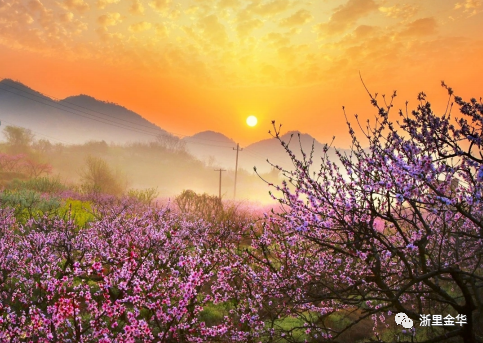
x=78, y=119
x=74, y=120
x=214, y=148
x=219, y=151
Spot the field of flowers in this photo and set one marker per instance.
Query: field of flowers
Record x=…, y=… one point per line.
x=399, y=229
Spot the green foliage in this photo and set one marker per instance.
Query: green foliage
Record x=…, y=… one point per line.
x=79, y=211
x=294, y=326
x=145, y=196
x=39, y=184
x=29, y=204
x=213, y=314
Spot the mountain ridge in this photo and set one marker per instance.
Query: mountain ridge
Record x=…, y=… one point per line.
x=75, y=119
x=81, y=118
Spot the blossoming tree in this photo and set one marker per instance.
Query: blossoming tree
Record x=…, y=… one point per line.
x=395, y=226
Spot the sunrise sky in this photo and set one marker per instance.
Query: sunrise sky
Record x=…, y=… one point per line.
x=194, y=65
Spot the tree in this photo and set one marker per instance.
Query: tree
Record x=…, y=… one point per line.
x=132, y=275
x=19, y=139
x=35, y=169
x=43, y=145
x=99, y=178
x=21, y=165
x=208, y=207
x=171, y=142
x=397, y=228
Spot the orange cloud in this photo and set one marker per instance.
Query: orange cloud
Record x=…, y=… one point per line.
x=268, y=9
x=136, y=7
x=470, y=6
x=420, y=27
x=276, y=39
x=161, y=30
x=66, y=17
x=213, y=30
x=139, y=27
x=101, y=4
x=78, y=5
x=398, y=11
x=246, y=27
x=345, y=16
x=109, y=19
x=299, y=18
x=160, y=5
x=228, y=3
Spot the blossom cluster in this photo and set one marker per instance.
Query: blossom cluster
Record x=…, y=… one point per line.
x=132, y=275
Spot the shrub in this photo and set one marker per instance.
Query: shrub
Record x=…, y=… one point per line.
x=28, y=204
x=145, y=196
x=40, y=184
x=208, y=207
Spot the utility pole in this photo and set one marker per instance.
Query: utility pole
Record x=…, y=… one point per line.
x=236, y=166
x=219, y=189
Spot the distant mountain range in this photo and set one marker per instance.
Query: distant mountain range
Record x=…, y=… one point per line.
x=73, y=120
x=220, y=151
x=82, y=118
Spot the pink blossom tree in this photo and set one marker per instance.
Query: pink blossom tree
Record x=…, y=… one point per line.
x=134, y=275
x=394, y=226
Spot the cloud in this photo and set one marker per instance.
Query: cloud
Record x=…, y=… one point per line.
x=361, y=34
x=161, y=30
x=66, y=17
x=160, y=5
x=101, y=4
x=109, y=19
x=270, y=8
x=37, y=28
x=398, y=11
x=228, y=4
x=363, y=31
x=35, y=5
x=106, y=35
x=78, y=5
x=276, y=39
x=139, y=27
x=213, y=30
x=470, y=6
x=420, y=27
x=269, y=73
x=246, y=27
x=136, y=7
x=299, y=18
x=345, y=16
x=287, y=53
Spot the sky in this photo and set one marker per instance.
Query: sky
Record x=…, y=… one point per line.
x=196, y=65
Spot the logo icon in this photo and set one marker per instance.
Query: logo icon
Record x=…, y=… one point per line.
x=404, y=320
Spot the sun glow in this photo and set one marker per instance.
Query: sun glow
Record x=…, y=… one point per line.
x=252, y=121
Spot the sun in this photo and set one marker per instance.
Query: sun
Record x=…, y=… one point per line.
x=252, y=121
